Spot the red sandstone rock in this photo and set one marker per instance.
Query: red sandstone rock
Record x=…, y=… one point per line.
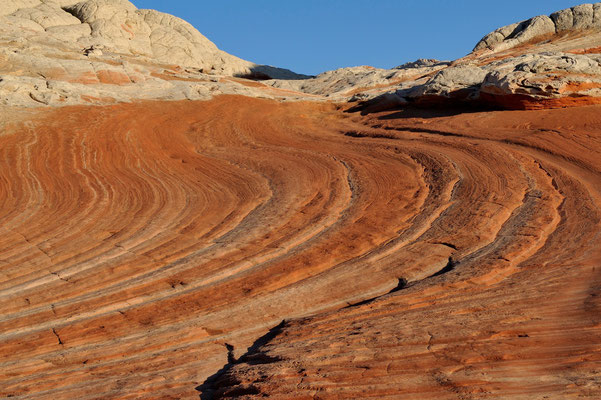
x=137, y=240
x=152, y=249
x=515, y=312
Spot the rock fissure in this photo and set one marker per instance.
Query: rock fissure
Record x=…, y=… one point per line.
x=60, y=342
x=219, y=384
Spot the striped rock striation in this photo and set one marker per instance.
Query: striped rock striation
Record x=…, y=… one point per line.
x=493, y=288
x=170, y=229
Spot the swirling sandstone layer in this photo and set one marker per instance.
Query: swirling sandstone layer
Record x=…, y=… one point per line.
x=144, y=247
x=242, y=247
x=515, y=312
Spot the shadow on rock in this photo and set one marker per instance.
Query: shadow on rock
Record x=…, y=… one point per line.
x=222, y=384
x=266, y=72
x=425, y=107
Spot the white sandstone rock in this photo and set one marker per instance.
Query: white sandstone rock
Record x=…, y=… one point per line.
x=583, y=16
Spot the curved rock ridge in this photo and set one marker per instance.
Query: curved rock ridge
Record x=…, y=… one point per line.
x=145, y=237
x=145, y=247
x=509, y=309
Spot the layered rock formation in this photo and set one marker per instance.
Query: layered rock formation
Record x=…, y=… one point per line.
x=498, y=273
x=247, y=246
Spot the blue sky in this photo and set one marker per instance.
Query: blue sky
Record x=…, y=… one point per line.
x=313, y=36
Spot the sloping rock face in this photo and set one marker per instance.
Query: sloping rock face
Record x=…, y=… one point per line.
x=245, y=247
x=145, y=247
x=513, y=35
x=103, y=51
x=498, y=274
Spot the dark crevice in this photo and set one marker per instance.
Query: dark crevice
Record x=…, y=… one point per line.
x=72, y=10
x=553, y=182
x=224, y=385
x=519, y=29
x=459, y=101
x=362, y=302
x=254, y=76
x=356, y=134
x=402, y=284
x=430, y=341
x=452, y=246
x=448, y=268
x=57, y=336
x=231, y=359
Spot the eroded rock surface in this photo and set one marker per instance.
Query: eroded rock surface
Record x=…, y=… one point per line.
x=143, y=243
x=362, y=82
x=103, y=51
x=532, y=64
x=581, y=17
x=106, y=51
x=498, y=274
x=247, y=246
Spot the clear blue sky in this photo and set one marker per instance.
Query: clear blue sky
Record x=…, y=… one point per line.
x=313, y=36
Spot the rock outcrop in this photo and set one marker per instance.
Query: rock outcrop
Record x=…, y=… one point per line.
x=364, y=82
x=119, y=27
x=582, y=17
x=103, y=51
x=544, y=62
x=513, y=35
x=544, y=80
x=100, y=51
x=540, y=80
x=344, y=83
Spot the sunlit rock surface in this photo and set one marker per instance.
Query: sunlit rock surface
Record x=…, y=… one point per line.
x=108, y=51
x=174, y=230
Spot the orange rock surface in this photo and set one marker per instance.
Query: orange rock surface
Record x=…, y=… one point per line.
x=413, y=254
